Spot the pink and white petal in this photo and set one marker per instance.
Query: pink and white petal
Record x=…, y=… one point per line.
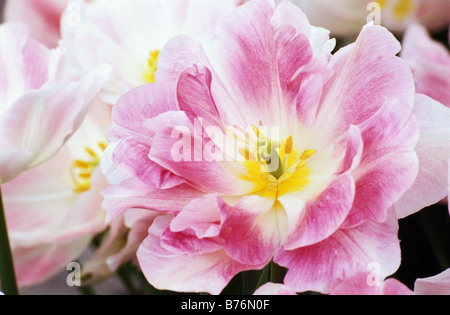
x=435, y=285
x=37, y=201
x=42, y=16
x=395, y=287
x=42, y=120
x=194, y=95
x=254, y=76
x=322, y=266
x=36, y=264
x=363, y=284
x=183, y=272
x=139, y=104
x=254, y=230
x=130, y=157
x=274, y=289
x=325, y=215
x=186, y=242
x=12, y=162
x=202, y=215
x=23, y=63
x=388, y=164
x=367, y=73
x=133, y=194
x=433, y=151
x=430, y=63
x=86, y=216
x=209, y=176
x=354, y=150
x=42, y=206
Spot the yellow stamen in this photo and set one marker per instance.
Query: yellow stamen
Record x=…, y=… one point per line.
x=91, y=153
x=102, y=145
x=289, y=145
x=307, y=154
x=152, y=63
x=81, y=164
x=82, y=169
x=245, y=153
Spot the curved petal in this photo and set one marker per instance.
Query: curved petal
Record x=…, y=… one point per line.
x=324, y=215
x=46, y=260
x=133, y=194
x=435, y=285
x=209, y=176
x=209, y=272
x=274, y=289
x=433, y=150
x=322, y=266
x=366, y=74
x=42, y=16
x=430, y=63
x=41, y=121
x=254, y=225
x=141, y=103
x=388, y=164
x=266, y=79
x=363, y=284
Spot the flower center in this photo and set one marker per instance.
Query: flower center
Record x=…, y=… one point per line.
x=82, y=169
x=152, y=63
x=276, y=169
x=400, y=9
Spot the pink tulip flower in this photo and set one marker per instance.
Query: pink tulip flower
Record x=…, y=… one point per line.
x=256, y=144
x=41, y=105
x=54, y=210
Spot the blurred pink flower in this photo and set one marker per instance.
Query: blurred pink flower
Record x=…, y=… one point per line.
x=129, y=34
x=54, y=210
x=315, y=196
x=41, y=104
x=430, y=63
x=42, y=17
x=347, y=17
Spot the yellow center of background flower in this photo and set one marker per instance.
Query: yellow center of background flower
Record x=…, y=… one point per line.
x=82, y=169
x=152, y=63
x=400, y=9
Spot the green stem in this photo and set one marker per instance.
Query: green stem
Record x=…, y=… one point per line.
x=7, y=274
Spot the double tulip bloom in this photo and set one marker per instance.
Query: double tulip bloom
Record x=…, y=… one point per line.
x=319, y=196
x=238, y=139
